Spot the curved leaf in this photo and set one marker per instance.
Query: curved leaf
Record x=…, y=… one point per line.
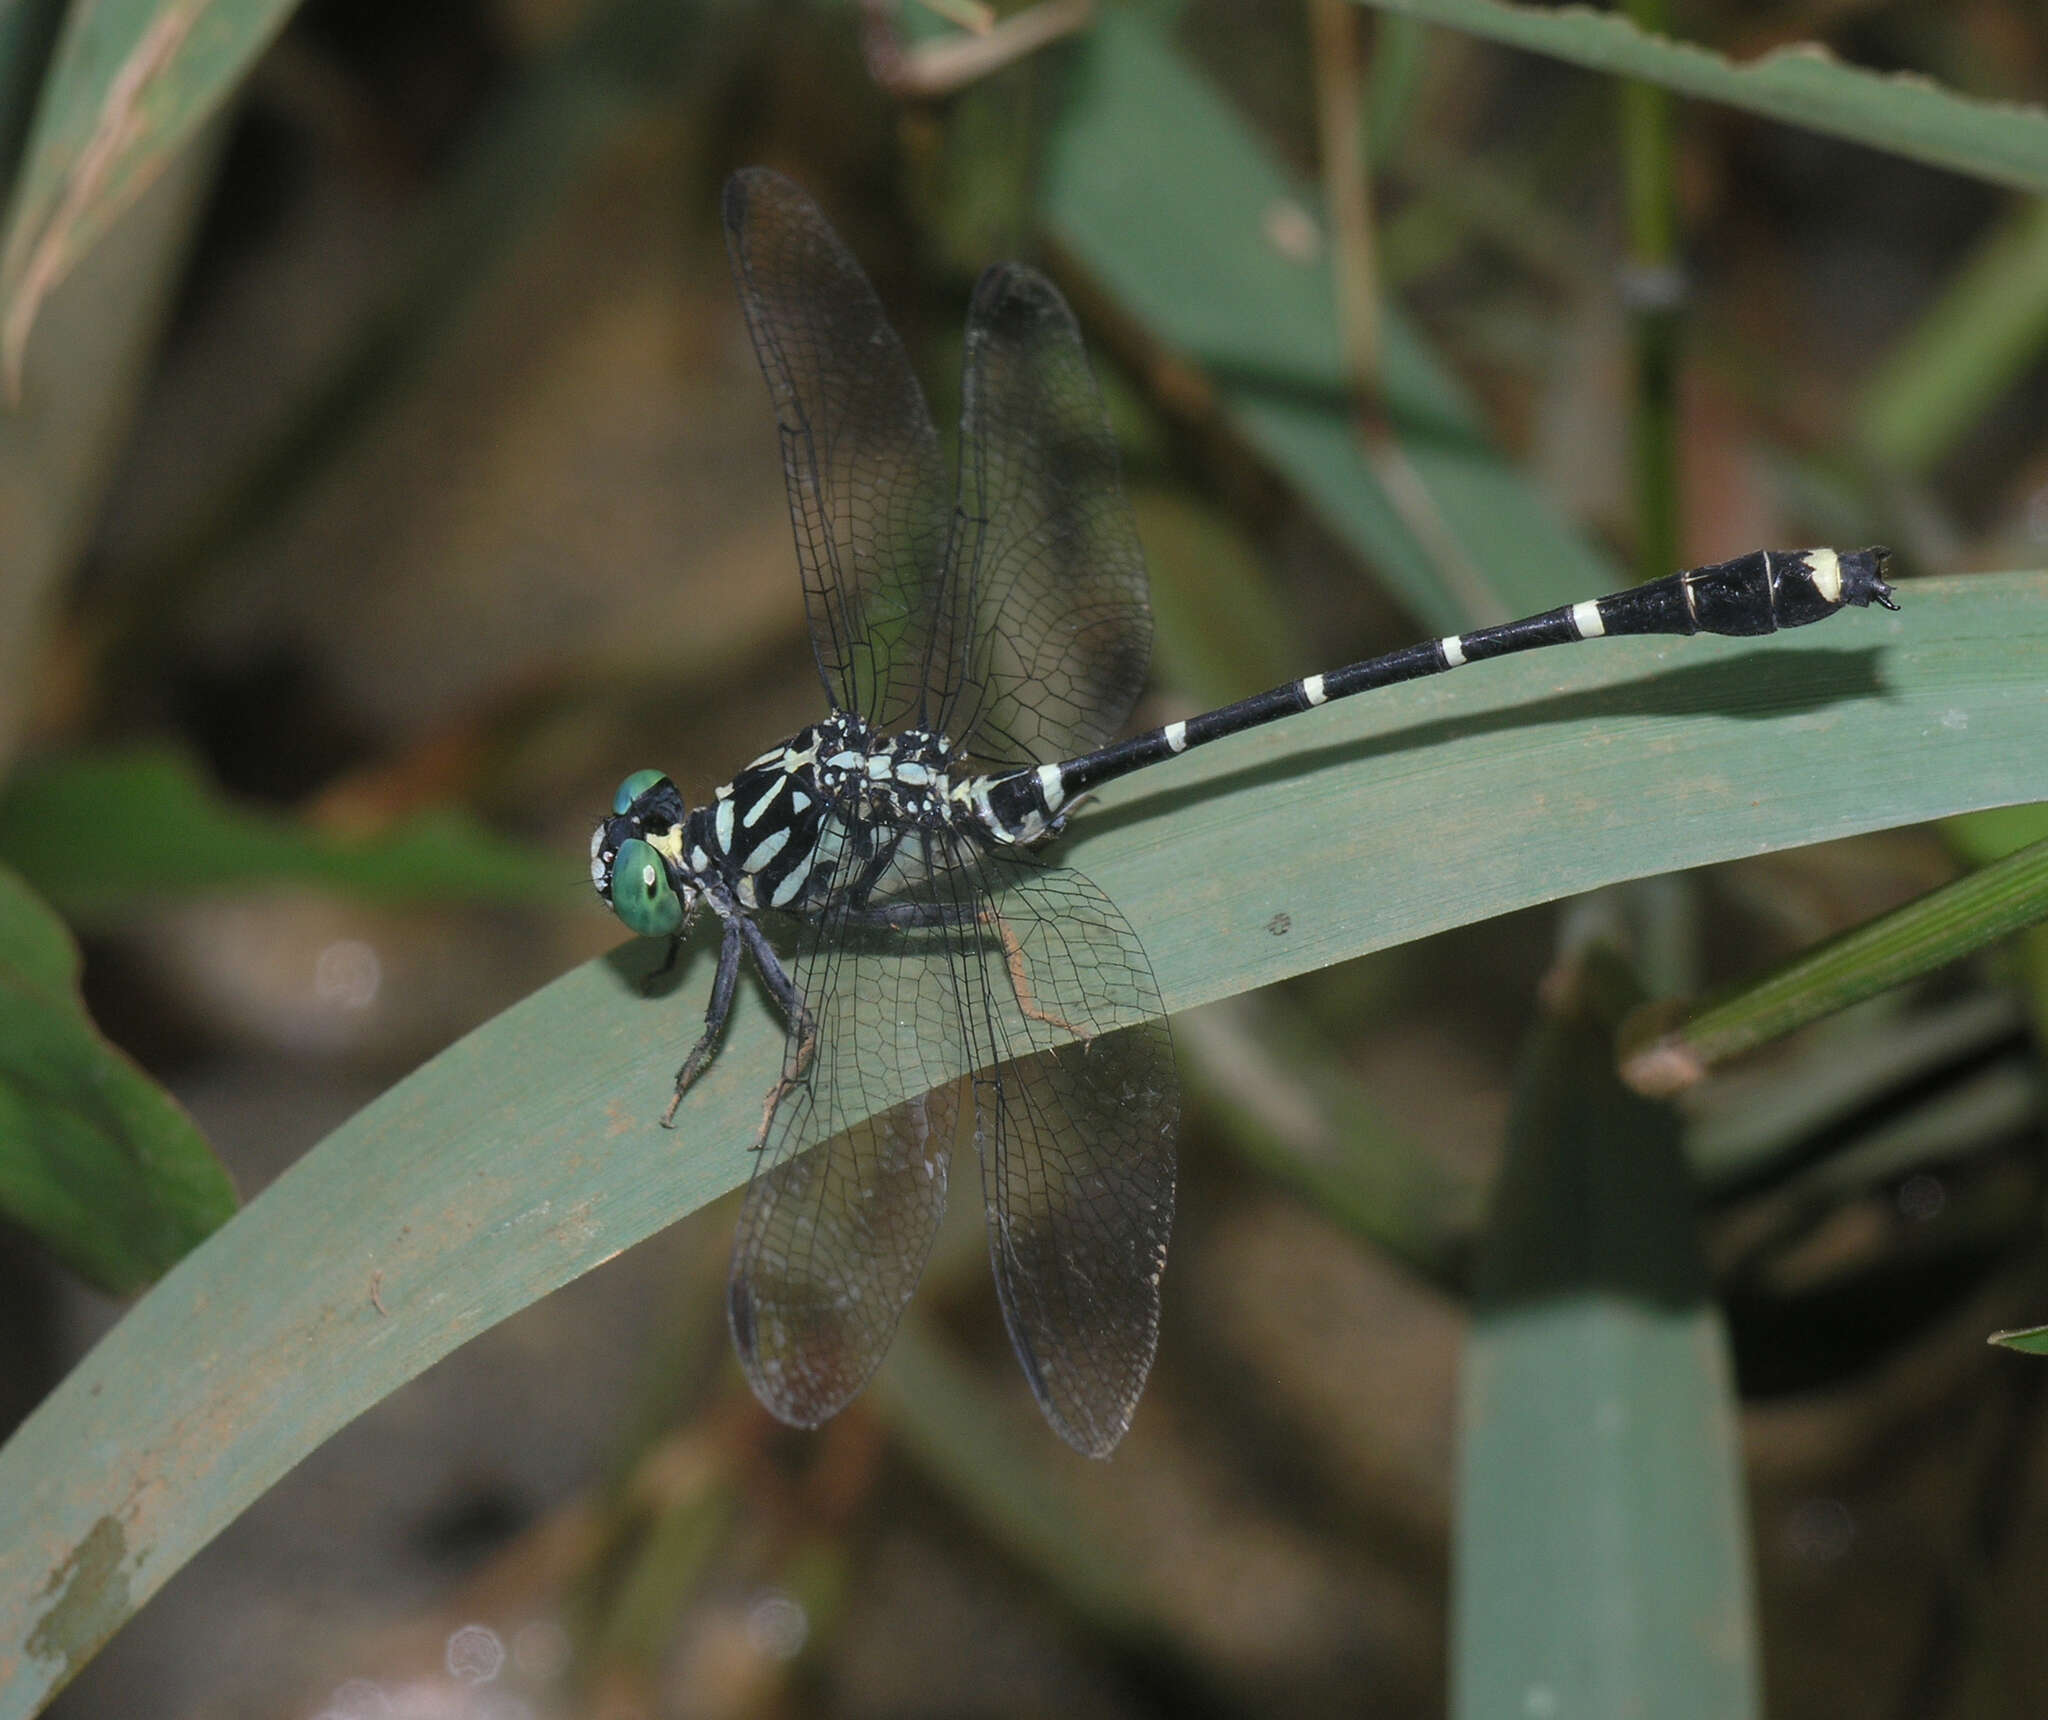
x=528, y=1153
x=1940, y=927
x=96, y=1159
x=1899, y=113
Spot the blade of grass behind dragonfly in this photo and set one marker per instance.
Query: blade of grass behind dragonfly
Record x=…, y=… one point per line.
x=1162, y=193
x=529, y=1153
x=1600, y=1556
x=1743, y=1126
x=1905, y=114
x=1986, y=836
x=1654, y=302
x=1978, y=339
x=130, y=85
x=2004, y=897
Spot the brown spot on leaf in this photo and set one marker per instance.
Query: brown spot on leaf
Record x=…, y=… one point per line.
x=90, y=1602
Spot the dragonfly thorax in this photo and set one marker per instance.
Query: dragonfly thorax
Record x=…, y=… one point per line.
x=815, y=809
x=778, y=834
x=901, y=780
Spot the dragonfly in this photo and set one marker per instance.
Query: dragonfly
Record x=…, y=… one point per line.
x=980, y=639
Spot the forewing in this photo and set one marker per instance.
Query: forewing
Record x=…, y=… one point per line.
x=867, y=488
x=833, y=1239
x=1045, y=554
x=1076, y=1143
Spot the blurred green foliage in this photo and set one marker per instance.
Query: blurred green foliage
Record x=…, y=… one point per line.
x=95, y=1159
x=103, y=835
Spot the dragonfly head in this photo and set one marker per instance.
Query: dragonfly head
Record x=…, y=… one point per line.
x=636, y=857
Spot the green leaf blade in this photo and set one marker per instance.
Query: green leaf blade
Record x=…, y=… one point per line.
x=96, y=1160
x=1906, y=115
x=1975, y=342
x=1601, y=1552
x=1602, y=1558
x=1940, y=927
x=2028, y=1340
x=528, y=1153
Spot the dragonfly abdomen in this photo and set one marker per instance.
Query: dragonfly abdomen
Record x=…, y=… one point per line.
x=1763, y=592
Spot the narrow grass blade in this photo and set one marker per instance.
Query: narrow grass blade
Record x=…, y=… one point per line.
x=528, y=1153
x=1949, y=923
x=2029, y=1340
x=1983, y=836
x=1992, y=1107
x=1654, y=300
x=131, y=83
x=1979, y=339
x=59, y=440
x=1991, y=835
x=1900, y=113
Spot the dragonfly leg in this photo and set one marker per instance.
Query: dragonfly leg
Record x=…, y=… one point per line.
x=1020, y=980
x=722, y=989
x=912, y=916
x=803, y=1025
x=858, y=892
x=794, y=1070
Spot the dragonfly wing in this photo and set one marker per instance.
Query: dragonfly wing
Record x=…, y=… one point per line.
x=1045, y=555
x=867, y=485
x=1076, y=1141
x=833, y=1238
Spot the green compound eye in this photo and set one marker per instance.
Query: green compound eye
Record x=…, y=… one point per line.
x=633, y=788
x=642, y=896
